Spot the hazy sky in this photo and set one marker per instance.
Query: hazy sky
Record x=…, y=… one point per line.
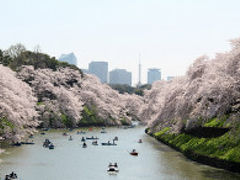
x=169, y=34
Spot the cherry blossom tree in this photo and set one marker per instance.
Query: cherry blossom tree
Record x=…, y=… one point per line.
x=65, y=93
x=210, y=88
x=17, y=106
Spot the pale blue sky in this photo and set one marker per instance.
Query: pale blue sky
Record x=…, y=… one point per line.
x=169, y=34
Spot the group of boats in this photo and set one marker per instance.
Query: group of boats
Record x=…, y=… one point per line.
x=112, y=167
x=26, y=142
x=81, y=132
x=109, y=143
x=11, y=176
x=23, y=143
x=95, y=142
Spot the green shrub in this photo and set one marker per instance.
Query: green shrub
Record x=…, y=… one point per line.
x=39, y=103
x=90, y=117
x=5, y=123
x=224, y=147
x=124, y=121
x=37, y=60
x=157, y=134
x=66, y=120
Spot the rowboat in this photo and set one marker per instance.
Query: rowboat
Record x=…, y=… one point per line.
x=109, y=144
x=92, y=138
x=95, y=143
x=12, y=176
x=84, y=145
x=134, y=153
x=112, y=168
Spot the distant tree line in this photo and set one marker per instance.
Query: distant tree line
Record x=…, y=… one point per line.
x=17, y=55
x=124, y=88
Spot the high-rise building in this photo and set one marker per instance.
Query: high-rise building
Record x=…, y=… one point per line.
x=154, y=74
x=120, y=76
x=139, y=72
x=69, y=58
x=170, y=78
x=100, y=69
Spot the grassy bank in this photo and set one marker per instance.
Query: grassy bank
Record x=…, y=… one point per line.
x=222, y=151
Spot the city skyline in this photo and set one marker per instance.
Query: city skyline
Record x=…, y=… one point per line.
x=168, y=34
x=117, y=75
x=120, y=75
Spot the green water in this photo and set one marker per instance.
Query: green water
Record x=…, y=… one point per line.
x=69, y=161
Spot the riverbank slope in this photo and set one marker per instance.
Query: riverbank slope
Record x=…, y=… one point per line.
x=206, y=144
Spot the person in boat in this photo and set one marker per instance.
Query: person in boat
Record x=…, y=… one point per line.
x=70, y=138
x=51, y=146
x=134, y=152
x=140, y=141
x=46, y=143
x=13, y=175
x=109, y=142
x=64, y=134
x=95, y=142
x=83, y=139
x=116, y=138
x=7, y=177
x=31, y=136
x=84, y=144
x=112, y=168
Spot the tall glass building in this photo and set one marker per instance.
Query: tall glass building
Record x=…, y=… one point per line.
x=154, y=74
x=120, y=76
x=69, y=58
x=100, y=69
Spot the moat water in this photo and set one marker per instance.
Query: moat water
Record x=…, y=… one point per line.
x=69, y=161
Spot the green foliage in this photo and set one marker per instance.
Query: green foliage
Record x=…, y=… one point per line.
x=39, y=103
x=37, y=60
x=225, y=147
x=4, y=59
x=5, y=123
x=124, y=88
x=166, y=129
x=88, y=111
x=90, y=118
x=124, y=121
x=66, y=120
x=216, y=122
x=139, y=92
